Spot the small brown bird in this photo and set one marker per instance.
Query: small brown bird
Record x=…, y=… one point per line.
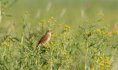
x=45, y=38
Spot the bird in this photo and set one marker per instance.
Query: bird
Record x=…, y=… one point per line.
x=45, y=38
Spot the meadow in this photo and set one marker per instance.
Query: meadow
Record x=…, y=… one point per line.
x=84, y=34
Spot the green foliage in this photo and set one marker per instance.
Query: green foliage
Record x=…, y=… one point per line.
x=78, y=42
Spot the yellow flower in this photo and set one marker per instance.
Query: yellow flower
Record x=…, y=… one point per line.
x=92, y=67
x=66, y=27
x=107, y=62
x=102, y=63
x=5, y=43
x=52, y=17
x=51, y=20
x=98, y=30
x=65, y=33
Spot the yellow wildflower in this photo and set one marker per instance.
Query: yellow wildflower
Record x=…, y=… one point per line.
x=66, y=27
x=98, y=30
x=5, y=43
x=107, y=62
x=92, y=67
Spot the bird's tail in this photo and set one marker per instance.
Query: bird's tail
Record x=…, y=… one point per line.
x=38, y=44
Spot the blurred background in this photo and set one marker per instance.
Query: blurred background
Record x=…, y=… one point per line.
x=65, y=11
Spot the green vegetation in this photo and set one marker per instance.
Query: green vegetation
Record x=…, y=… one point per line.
x=85, y=34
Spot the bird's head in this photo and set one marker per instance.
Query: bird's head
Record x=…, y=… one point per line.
x=49, y=32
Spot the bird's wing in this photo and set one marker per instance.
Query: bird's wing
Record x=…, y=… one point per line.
x=42, y=40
